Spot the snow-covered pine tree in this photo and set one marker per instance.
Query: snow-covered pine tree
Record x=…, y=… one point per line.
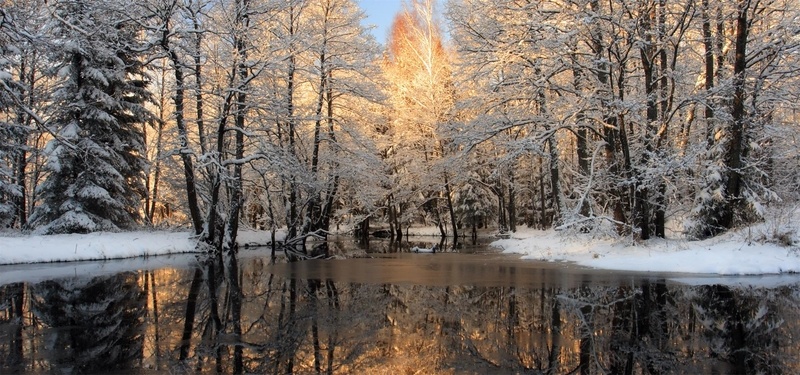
x=473, y=204
x=95, y=163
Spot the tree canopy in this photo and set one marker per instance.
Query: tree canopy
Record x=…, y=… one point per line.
x=642, y=119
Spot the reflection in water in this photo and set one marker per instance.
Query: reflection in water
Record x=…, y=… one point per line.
x=244, y=315
x=87, y=325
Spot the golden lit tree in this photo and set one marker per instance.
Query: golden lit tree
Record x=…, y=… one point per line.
x=421, y=97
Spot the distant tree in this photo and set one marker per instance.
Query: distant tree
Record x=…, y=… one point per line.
x=473, y=205
x=95, y=164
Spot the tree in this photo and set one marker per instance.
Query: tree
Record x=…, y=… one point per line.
x=604, y=94
x=744, y=128
x=22, y=63
x=422, y=98
x=473, y=207
x=10, y=191
x=95, y=163
x=515, y=67
x=345, y=72
x=163, y=13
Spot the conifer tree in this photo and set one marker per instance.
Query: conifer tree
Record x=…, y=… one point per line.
x=95, y=163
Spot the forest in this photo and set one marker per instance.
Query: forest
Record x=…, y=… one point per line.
x=639, y=118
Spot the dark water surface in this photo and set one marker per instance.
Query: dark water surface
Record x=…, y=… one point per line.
x=378, y=309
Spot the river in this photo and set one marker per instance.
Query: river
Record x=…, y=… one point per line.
x=379, y=309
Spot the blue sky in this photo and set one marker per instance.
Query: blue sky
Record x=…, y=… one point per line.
x=380, y=13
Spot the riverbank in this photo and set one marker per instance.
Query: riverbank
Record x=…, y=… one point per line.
x=741, y=252
x=21, y=249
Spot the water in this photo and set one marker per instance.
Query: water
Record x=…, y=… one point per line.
x=386, y=312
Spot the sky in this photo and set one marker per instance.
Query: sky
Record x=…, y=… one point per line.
x=380, y=13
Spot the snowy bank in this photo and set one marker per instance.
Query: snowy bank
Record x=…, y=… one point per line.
x=92, y=246
x=730, y=254
x=105, y=245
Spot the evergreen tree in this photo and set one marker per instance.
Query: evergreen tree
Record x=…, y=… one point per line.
x=95, y=163
x=473, y=204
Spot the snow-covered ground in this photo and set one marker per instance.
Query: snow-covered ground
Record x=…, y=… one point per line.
x=730, y=254
x=734, y=253
x=103, y=245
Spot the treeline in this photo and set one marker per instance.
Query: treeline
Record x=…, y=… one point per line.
x=642, y=114
x=207, y=113
x=627, y=116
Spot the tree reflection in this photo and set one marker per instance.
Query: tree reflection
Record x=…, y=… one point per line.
x=741, y=328
x=231, y=315
x=12, y=312
x=93, y=324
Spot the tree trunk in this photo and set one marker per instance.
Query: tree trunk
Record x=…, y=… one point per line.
x=291, y=221
x=555, y=180
x=501, y=208
x=624, y=144
x=659, y=221
x=392, y=216
x=611, y=131
x=153, y=196
x=198, y=81
x=736, y=147
x=544, y=222
x=236, y=195
x=449, y=195
x=314, y=210
x=399, y=213
x=642, y=192
x=708, y=52
x=512, y=204
x=211, y=236
x=183, y=134
x=555, y=173
x=333, y=190
x=27, y=75
x=581, y=140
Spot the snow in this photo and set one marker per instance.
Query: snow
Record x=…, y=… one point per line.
x=107, y=245
x=92, y=246
x=730, y=254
